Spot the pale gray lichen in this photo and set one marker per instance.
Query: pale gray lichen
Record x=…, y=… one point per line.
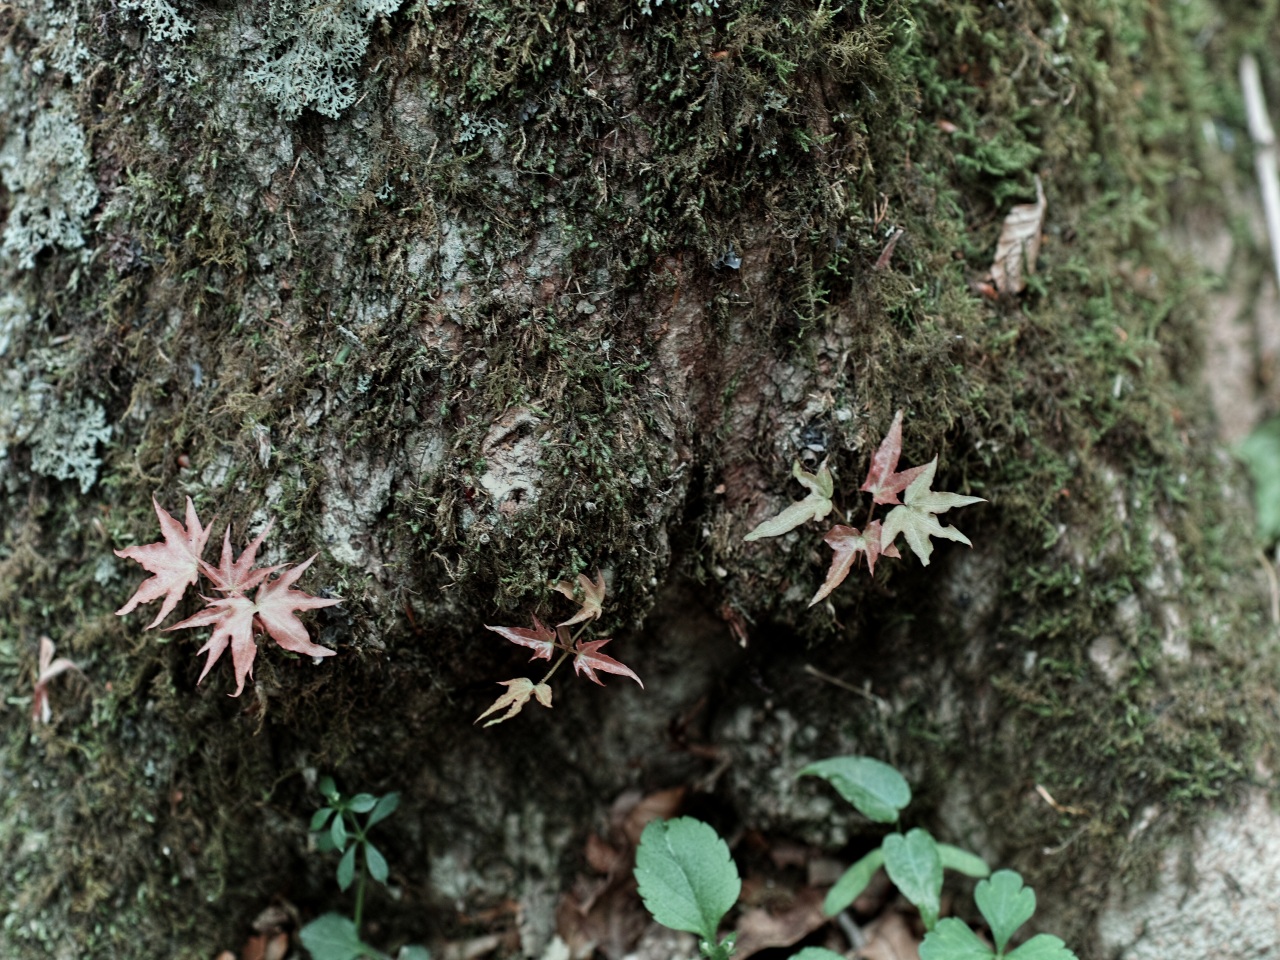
x=313, y=51
x=162, y=19
x=65, y=443
x=45, y=166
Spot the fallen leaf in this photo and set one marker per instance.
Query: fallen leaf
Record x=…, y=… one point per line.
x=890, y=937
x=759, y=929
x=1019, y=245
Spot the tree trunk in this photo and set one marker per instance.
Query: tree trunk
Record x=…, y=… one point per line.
x=472, y=298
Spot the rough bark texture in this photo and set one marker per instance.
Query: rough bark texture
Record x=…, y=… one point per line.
x=472, y=297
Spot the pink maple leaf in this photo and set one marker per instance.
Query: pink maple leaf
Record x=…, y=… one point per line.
x=174, y=562
x=847, y=542
x=588, y=660
x=239, y=577
x=883, y=481
x=236, y=618
x=542, y=639
x=47, y=670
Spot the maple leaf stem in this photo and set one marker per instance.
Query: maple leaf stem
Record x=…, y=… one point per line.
x=556, y=666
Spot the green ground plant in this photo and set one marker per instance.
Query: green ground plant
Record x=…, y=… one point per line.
x=337, y=827
x=688, y=880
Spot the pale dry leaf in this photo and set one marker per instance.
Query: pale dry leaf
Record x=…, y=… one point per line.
x=593, y=602
x=890, y=937
x=1019, y=245
x=518, y=693
x=917, y=517
x=48, y=668
x=815, y=506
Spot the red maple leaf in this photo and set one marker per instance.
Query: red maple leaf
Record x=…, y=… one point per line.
x=847, y=542
x=588, y=660
x=236, y=618
x=541, y=638
x=174, y=562
x=883, y=482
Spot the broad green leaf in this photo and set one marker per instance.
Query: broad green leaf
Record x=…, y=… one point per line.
x=362, y=802
x=1006, y=904
x=852, y=882
x=338, y=832
x=962, y=861
x=1042, y=947
x=915, y=868
x=376, y=862
x=414, y=952
x=875, y=789
x=329, y=790
x=347, y=867
x=1261, y=453
x=332, y=936
x=687, y=879
x=320, y=818
x=324, y=842
x=816, y=953
x=952, y=939
x=385, y=807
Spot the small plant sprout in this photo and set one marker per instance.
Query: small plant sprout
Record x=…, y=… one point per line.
x=546, y=642
x=688, y=880
x=47, y=669
x=914, y=861
x=1006, y=905
x=915, y=517
x=336, y=826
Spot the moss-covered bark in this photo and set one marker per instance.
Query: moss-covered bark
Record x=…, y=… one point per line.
x=472, y=297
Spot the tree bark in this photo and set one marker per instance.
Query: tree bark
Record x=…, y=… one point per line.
x=472, y=298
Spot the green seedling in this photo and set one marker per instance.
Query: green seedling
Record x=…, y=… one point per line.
x=689, y=882
x=337, y=827
x=1006, y=905
x=914, y=861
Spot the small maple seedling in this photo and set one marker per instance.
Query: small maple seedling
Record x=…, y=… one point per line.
x=46, y=670
x=176, y=563
x=916, y=518
x=545, y=642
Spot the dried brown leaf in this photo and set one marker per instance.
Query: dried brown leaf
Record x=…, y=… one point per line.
x=1019, y=245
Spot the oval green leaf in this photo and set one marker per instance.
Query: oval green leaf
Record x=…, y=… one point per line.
x=332, y=936
x=1042, y=947
x=852, y=882
x=347, y=867
x=687, y=879
x=338, y=832
x=320, y=818
x=362, y=802
x=385, y=807
x=874, y=788
x=962, y=861
x=376, y=863
x=915, y=868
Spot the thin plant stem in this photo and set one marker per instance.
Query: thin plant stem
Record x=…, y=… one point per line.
x=556, y=666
